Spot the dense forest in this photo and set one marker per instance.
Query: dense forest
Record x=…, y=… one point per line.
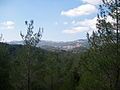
x=27, y=67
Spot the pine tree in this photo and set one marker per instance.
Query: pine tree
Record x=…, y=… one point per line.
x=31, y=39
x=107, y=38
x=108, y=32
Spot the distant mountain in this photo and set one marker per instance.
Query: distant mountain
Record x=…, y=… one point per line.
x=16, y=42
x=51, y=45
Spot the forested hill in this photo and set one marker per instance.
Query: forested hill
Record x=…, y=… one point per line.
x=51, y=70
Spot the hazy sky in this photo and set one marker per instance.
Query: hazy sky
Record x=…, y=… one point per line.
x=62, y=20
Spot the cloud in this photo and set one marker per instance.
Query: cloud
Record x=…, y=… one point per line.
x=110, y=19
x=65, y=23
x=7, y=25
x=90, y=23
x=85, y=9
x=93, y=2
x=75, y=30
x=87, y=25
x=73, y=22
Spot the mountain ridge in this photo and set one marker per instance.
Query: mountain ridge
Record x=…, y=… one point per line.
x=62, y=45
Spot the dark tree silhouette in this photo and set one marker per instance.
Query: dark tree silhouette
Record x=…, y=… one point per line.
x=108, y=34
x=30, y=39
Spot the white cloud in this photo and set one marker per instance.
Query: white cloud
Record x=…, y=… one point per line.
x=75, y=30
x=7, y=25
x=94, y=2
x=65, y=23
x=90, y=23
x=110, y=19
x=81, y=10
x=87, y=25
x=73, y=22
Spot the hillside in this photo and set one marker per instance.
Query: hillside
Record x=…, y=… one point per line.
x=51, y=45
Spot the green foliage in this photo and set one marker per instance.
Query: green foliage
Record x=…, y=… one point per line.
x=31, y=39
x=102, y=59
x=49, y=70
x=4, y=68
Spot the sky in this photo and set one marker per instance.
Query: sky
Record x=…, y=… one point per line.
x=62, y=20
